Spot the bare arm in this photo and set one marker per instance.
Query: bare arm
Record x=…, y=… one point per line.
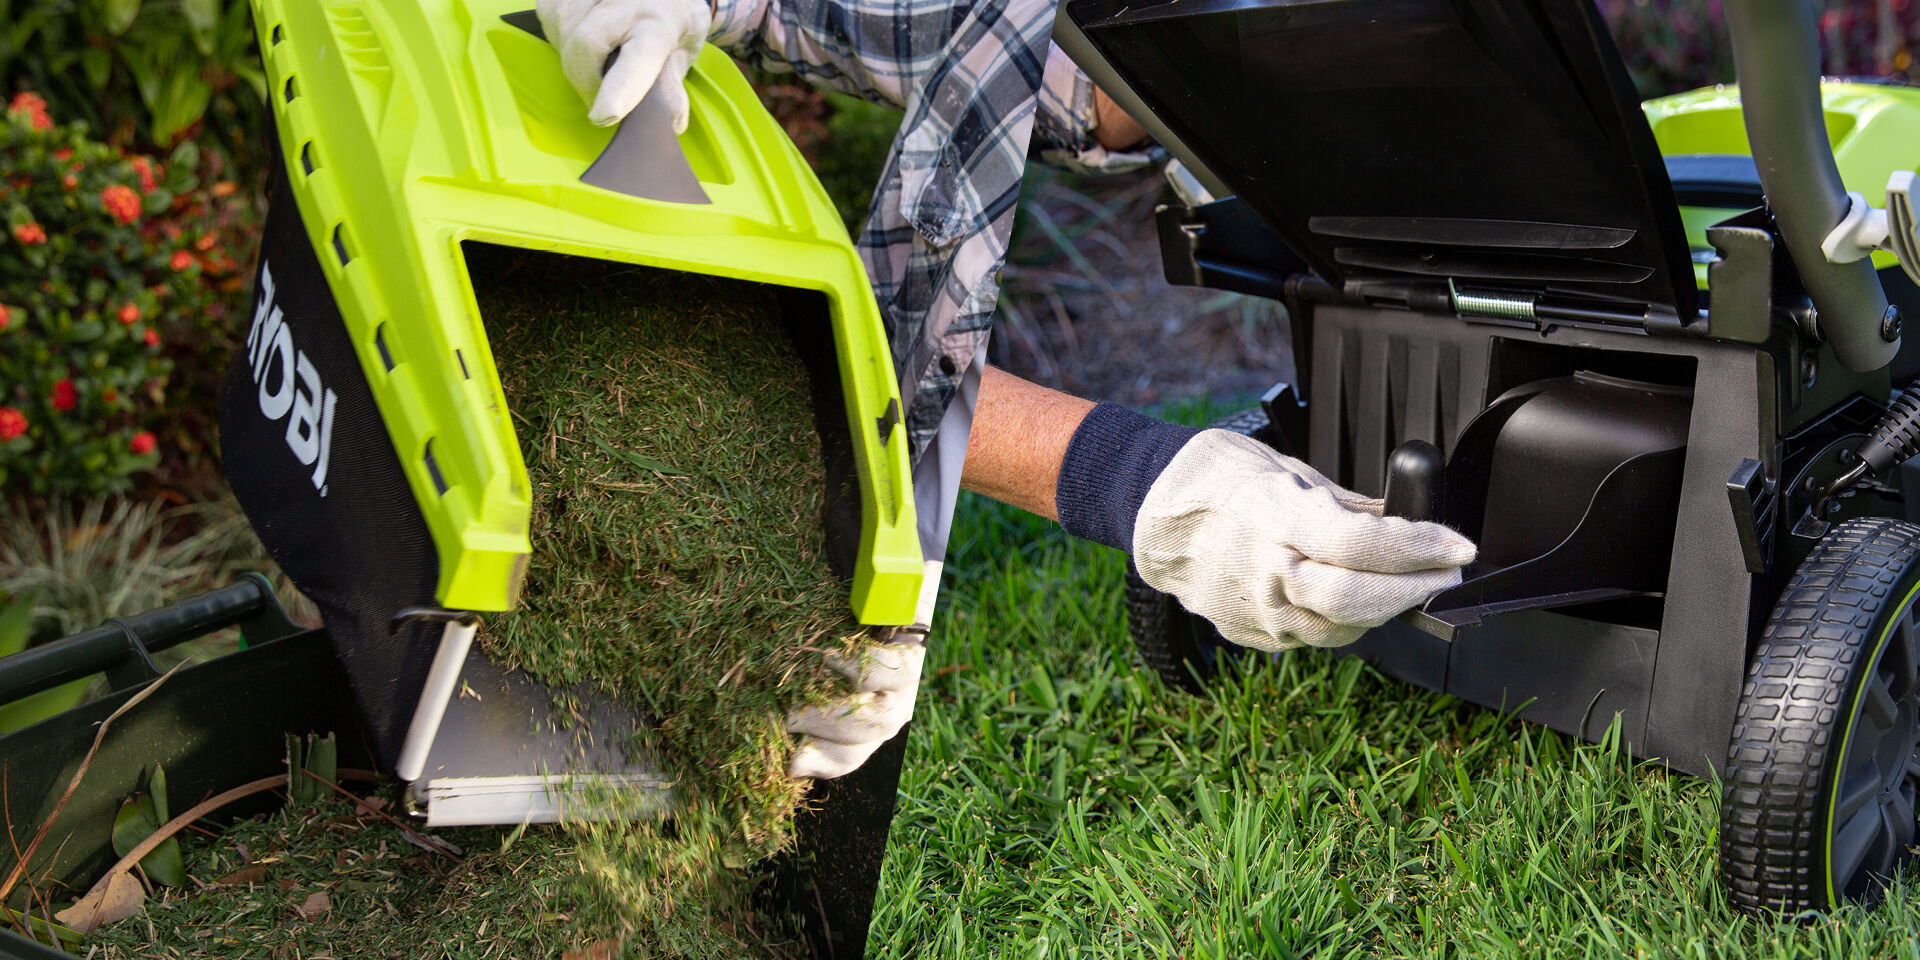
x=1113, y=128
x=1020, y=434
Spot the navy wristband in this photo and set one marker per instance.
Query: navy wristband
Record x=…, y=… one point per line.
x=1111, y=462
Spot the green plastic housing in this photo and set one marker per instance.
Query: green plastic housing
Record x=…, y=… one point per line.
x=411, y=127
x=1874, y=130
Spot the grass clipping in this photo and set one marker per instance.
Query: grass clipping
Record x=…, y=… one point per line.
x=678, y=565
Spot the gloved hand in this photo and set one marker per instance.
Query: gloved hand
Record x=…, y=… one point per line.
x=837, y=737
x=657, y=40
x=1276, y=555
x=1264, y=546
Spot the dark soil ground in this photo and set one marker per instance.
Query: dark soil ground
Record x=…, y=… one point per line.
x=1086, y=308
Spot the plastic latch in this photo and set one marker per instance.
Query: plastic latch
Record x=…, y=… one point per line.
x=1866, y=228
x=1858, y=234
x=1186, y=186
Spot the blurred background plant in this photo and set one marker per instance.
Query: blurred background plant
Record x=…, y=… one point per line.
x=85, y=561
x=149, y=74
x=1675, y=45
x=120, y=269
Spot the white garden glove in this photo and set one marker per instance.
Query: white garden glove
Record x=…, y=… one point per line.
x=1278, y=556
x=657, y=40
x=837, y=737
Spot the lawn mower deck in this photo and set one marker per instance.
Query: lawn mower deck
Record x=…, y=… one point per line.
x=1628, y=376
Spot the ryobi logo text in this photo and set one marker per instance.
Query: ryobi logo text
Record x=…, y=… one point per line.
x=290, y=384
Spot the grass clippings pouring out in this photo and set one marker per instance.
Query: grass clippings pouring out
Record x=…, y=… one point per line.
x=679, y=564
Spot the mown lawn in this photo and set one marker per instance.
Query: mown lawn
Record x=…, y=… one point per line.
x=1058, y=802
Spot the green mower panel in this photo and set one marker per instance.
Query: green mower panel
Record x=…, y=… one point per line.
x=408, y=129
x=1874, y=129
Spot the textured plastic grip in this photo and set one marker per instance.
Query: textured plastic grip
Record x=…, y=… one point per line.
x=199, y=616
x=112, y=644
x=1896, y=438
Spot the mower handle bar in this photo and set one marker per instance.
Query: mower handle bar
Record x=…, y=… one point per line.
x=1776, y=54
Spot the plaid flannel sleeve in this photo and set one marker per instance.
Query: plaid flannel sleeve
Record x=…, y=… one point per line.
x=1064, y=125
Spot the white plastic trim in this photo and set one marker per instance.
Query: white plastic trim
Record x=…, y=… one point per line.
x=1186, y=186
x=442, y=677
x=929, y=592
x=1860, y=233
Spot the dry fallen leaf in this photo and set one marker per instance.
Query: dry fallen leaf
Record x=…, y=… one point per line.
x=286, y=884
x=117, y=899
x=314, y=907
x=432, y=844
x=252, y=874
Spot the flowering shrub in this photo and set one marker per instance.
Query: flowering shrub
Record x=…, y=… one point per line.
x=112, y=268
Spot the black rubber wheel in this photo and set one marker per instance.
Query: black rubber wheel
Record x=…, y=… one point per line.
x=1824, y=766
x=1183, y=648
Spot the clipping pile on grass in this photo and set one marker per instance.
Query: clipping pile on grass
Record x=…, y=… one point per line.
x=337, y=879
x=679, y=565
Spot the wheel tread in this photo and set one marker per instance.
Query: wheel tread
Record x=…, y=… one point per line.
x=1771, y=831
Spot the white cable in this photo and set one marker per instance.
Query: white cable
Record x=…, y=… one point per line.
x=442, y=678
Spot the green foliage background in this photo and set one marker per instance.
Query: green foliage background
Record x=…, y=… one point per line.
x=141, y=72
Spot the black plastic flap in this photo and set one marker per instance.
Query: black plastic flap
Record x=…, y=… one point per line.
x=1492, y=142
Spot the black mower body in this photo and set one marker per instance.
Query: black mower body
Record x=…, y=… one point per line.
x=1480, y=247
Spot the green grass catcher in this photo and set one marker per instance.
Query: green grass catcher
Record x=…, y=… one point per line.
x=363, y=424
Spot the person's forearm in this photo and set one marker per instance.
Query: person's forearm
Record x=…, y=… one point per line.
x=1020, y=435
x=1113, y=127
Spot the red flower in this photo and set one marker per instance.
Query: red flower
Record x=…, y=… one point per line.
x=122, y=202
x=225, y=188
x=70, y=181
x=63, y=154
x=35, y=109
x=152, y=337
x=129, y=313
x=64, y=396
x=6, y=316
x=30, y=233
x=142, y=443
x=180, y=260
x=206, y=242
x=109, y=395
x=144, y=167
x=12, y=423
